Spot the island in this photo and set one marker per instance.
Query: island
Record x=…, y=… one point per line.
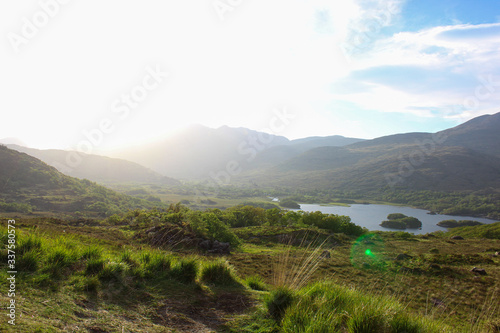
x=401, y=221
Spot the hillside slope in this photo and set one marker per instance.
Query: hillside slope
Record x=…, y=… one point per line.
x=97, y=168
x=30, y=185
x=463, y=158
x=199, y=152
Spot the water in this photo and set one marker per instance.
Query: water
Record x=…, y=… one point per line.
x=370, y=216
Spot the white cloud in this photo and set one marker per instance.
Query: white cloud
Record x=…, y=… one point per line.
x=434, y=72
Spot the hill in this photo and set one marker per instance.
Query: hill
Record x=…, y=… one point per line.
x=29, y=185
x=199, y=152
x=130, y=276
x=464, y=158
x=97, y=168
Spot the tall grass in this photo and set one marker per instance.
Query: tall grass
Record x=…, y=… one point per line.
x=219, y=273
x=301, y=270
x=155, y=263
x=327, y=307
x=185, y=270
x=256, y=282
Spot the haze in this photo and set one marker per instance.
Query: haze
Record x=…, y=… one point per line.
x=359, y=69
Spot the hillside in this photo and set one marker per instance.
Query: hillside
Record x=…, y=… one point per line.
x=463, y=158
x=97, y=168
x=294, y=276
x=198, y=151
x=28, y=185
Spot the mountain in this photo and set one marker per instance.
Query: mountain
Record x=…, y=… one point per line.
x=199, y=152
x=12, y=141
x=97, y=168
x=30, y=185
x=463, y=158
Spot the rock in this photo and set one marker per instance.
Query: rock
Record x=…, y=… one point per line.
x=415, y=270
x=438, y=302
x=403, y=256
x=479, y=271
x=457, y=237
x=205, y=245
x=497, y=254
x=326, y=254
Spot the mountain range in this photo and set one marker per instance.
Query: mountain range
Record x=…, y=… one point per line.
x=97, y=168
x=463, y=158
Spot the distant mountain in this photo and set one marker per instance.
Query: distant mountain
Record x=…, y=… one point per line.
x=463, y=158
x=97, y=168
x=199, y=152
x=12, y=141
x=28, y=184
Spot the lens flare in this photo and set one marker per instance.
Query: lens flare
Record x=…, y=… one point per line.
x=367, y=252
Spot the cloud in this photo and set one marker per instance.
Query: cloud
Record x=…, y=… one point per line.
x=438, y=72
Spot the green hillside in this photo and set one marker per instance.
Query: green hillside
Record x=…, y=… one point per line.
x=97, y=168
x=27, y=185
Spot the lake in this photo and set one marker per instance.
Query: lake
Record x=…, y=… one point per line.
x=370, y=216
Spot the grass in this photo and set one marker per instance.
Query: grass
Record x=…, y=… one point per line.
x=158, y=291
x=185, y=270
x=219, y=273
x=256, y=282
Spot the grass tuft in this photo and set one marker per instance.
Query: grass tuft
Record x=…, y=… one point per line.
x=278, y=301
x=219, y=273
x=185, y=271
x=94, y=266
x=256, y=282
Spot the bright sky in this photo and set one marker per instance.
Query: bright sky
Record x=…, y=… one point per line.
x=137, y=70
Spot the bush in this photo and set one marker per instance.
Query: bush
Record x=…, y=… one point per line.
x=288, y=203
x=218, y=273
x=208, y=225
x=396, y=216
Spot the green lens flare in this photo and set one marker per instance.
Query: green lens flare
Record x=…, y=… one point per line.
x=368, y=252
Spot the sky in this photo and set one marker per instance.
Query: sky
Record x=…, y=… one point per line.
x=102, y=75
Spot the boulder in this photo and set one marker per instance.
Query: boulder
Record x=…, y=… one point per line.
x=479, y=271
x=403, y=256
x=457, y=237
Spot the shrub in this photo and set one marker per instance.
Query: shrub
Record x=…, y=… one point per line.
x=185, y=271
x=218, y=273
x=396, y=216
